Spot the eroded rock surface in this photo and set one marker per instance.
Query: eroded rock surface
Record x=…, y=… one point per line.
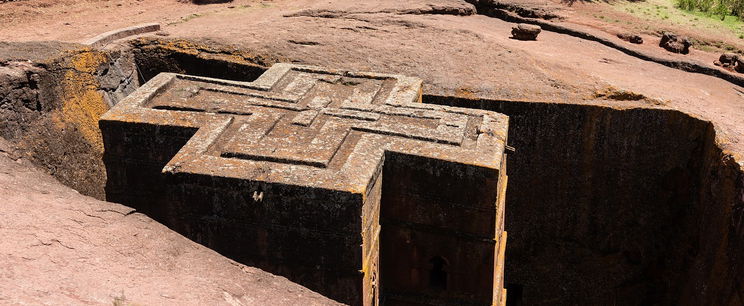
x=524, y=8
x=415, y=7
x=51, y=96
x=60, y=247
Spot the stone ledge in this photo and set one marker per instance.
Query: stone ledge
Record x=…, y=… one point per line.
x=108, y=37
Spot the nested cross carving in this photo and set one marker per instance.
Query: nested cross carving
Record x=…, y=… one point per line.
x=309, y=126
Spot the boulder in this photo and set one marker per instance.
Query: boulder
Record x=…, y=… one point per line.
x=632, y=38
x=739, y=65
x=675, y=43
x=727, y=60
x=525, y=31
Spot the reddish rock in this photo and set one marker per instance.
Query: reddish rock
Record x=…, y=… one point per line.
x=675, y=43
x=60, y=247
x=632, y=38
x=727, y=60
x=525, y=31
x=739, y=67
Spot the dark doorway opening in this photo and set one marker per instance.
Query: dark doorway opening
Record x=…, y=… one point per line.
x=438, y=273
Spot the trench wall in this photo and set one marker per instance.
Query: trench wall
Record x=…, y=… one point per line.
x=627, y=207
x=154, y=56
x=50, y=106
x=604, y=206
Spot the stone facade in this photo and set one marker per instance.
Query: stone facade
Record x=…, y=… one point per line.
x=341, y=181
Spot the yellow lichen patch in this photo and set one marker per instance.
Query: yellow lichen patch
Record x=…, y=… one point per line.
x=182, y=46
x=82, y=103
x=87, y=61
x=612, y=93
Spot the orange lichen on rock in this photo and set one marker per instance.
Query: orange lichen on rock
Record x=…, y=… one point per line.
x=612, y=93
x=465, y=92
x=82, y=103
